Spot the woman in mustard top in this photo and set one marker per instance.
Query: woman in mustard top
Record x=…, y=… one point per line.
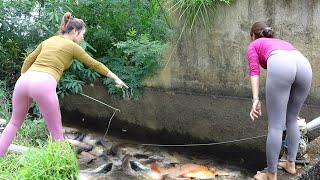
x=40, y=74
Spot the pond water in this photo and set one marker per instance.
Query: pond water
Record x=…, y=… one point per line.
x=111, y=160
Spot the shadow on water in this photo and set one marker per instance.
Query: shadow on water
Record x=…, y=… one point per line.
x=246, y=160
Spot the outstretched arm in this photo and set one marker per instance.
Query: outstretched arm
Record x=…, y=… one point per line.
x=85, y=58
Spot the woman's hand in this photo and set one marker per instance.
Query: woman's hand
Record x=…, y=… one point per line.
x=117, y=80
x=120, y=83
x=255, y=109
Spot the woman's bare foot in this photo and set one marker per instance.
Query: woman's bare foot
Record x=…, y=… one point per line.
x=289, y=166
x=265, y=176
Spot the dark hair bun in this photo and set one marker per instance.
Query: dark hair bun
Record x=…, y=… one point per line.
x=267, y=32
x=66, y=17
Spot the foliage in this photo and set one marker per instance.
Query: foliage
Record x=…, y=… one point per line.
x=196, y=10
x=113, y=18
x=33, y=133
x=24, y=24
x=55, y=161
x=140, y=57
x=130, y=44
x=13, y=22
x=5, y=100
x=69, y=83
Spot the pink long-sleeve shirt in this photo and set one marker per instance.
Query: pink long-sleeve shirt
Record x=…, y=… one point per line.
x=259, y=51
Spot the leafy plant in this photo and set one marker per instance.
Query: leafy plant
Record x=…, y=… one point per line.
x=69, y=83
x=16, y=27
x=139, y=59
x=33, y=133
x=5, y=100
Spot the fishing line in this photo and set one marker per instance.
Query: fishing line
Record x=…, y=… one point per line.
x=115, y=110
x=99, y=102
x=205, y=144
x=109, y=123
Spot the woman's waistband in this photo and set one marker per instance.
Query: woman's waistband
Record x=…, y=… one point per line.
x=39, y=75
x=280, y=51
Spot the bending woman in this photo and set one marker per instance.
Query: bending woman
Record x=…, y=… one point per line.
x=289, y=77
x=41, y=72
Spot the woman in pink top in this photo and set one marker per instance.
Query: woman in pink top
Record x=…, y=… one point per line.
x=289, y=77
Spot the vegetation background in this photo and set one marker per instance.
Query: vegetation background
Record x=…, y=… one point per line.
x=128, y=36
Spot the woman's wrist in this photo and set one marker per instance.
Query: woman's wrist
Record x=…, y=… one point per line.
x=255, y=98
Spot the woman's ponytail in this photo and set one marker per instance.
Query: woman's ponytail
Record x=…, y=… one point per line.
x=69, y=22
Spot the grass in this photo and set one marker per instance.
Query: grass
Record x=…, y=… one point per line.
x=195, y=10
x=55, y=161
x=35, y=131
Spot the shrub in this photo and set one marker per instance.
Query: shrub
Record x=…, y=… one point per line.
x=33, y=133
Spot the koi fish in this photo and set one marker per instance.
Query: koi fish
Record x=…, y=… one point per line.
x=183, y=171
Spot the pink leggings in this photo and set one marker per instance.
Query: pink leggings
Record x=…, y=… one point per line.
x=40, y=87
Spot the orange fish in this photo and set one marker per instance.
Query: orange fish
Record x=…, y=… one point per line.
x=183, y=171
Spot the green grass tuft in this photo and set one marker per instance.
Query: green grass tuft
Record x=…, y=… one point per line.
x=195, y=11
x=55, y=161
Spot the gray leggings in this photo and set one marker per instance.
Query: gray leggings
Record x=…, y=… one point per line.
x=289, y=77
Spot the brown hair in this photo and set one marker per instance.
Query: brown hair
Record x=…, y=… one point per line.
x=69, y=22
x=260, y=29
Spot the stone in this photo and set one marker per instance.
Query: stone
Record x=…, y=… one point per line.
x=3, y=122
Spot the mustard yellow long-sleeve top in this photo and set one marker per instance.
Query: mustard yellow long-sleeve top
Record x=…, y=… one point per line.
x=55, y=55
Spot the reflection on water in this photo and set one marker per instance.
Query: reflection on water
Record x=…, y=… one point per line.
x=116, y=158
